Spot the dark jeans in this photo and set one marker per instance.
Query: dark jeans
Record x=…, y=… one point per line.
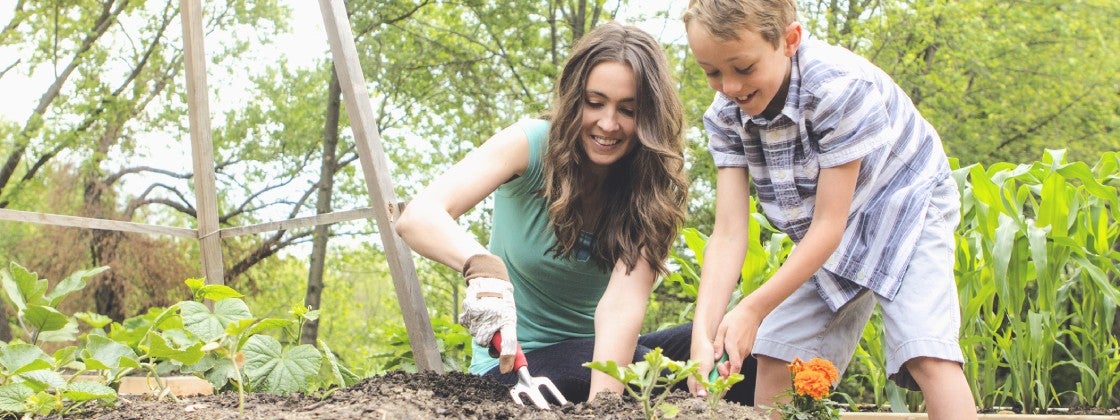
x=562, y=363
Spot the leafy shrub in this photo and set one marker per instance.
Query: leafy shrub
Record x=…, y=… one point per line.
x=221, y=342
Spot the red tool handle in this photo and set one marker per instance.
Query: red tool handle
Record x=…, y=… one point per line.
x=496, y=348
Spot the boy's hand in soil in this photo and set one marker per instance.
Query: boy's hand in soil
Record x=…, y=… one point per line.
x=488, y=306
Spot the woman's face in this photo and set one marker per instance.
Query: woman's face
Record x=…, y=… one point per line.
x=609, y=104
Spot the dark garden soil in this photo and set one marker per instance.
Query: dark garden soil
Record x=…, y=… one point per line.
x=400, y=395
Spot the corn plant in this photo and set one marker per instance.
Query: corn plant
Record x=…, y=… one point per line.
x=1036, y=268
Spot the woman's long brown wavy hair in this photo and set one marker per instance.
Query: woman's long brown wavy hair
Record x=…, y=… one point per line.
x=645, y=191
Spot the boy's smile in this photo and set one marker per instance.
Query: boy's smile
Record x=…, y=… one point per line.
x=748, y=70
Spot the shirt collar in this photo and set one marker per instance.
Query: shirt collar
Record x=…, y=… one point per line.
x=792, y=108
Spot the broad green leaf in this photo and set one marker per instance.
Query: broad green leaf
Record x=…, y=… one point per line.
x=86, y=391
x=43, y=379
x=31, y=287
x=65, y=355
x=166, y=318
x=258, y=327
x=72, y=283
x=180, y=337
x=44, y=318
x=339, y=373
x=311, y=315
x=217, y=292
x=20, y=284
x=195, y=284
x=271, y=323
x=210, y=326
x=102, y=354
x=609, y=367
x=95, y=320
x=68, y=333
x=13, y=397
x=20, y=357
x=274, y=370
x=220, y=372
x=160, y=348
x=132, y=331
x=237, y=329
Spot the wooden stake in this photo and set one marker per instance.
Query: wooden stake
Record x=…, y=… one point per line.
x=375, y=168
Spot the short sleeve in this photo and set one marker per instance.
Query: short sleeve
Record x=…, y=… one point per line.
x=725, y=134
x=849, y=121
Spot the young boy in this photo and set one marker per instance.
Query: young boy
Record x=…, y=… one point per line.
x=844, y=164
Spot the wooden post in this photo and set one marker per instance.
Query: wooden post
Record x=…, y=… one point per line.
x=375, y=168
x=198, y=105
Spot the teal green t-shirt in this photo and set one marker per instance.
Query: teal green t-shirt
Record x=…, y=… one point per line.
x=555, y=297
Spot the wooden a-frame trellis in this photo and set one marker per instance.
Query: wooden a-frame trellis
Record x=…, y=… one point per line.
x=370, y=153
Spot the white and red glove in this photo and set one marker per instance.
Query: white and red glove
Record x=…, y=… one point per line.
x=488, y=306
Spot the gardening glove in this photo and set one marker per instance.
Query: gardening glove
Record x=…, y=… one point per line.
x=488, y=306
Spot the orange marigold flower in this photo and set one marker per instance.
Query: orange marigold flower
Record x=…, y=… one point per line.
x=797, y=365
x=811, y=383
x=825, y=367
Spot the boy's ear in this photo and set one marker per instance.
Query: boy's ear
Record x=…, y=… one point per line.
x=792, y=39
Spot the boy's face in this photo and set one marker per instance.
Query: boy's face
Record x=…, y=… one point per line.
x=748, y=70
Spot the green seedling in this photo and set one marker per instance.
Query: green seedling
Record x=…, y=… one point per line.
x=233, y=337
x=717, y=385
x=650, y=381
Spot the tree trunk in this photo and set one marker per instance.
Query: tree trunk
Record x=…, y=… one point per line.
x=5, y=328
x=109, y=289
x=322, y=206
x=100, y=25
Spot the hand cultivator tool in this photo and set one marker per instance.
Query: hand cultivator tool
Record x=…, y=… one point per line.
x=526, y=384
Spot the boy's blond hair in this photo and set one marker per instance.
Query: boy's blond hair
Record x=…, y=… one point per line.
x=723, y=19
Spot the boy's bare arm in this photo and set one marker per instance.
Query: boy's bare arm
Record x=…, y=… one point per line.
x=835, y=189
x=726, y=248
x=723, y=261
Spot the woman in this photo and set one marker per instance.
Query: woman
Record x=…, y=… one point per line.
x=587, y=202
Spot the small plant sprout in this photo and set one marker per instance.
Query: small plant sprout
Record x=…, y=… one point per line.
x=650, y=381
x=247, y=357
x=717, y=385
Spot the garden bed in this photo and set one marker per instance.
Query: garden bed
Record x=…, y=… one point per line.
x=399, y=395
x=452, y=395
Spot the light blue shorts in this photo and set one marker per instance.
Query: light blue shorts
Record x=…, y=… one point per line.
x=923, y=320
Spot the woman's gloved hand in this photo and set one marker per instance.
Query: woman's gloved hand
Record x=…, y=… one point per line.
x=488, y=306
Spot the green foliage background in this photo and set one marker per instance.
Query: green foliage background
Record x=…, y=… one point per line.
x=1002, y=81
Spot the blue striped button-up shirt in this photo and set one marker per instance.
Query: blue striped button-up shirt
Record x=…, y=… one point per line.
x=840, y=108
